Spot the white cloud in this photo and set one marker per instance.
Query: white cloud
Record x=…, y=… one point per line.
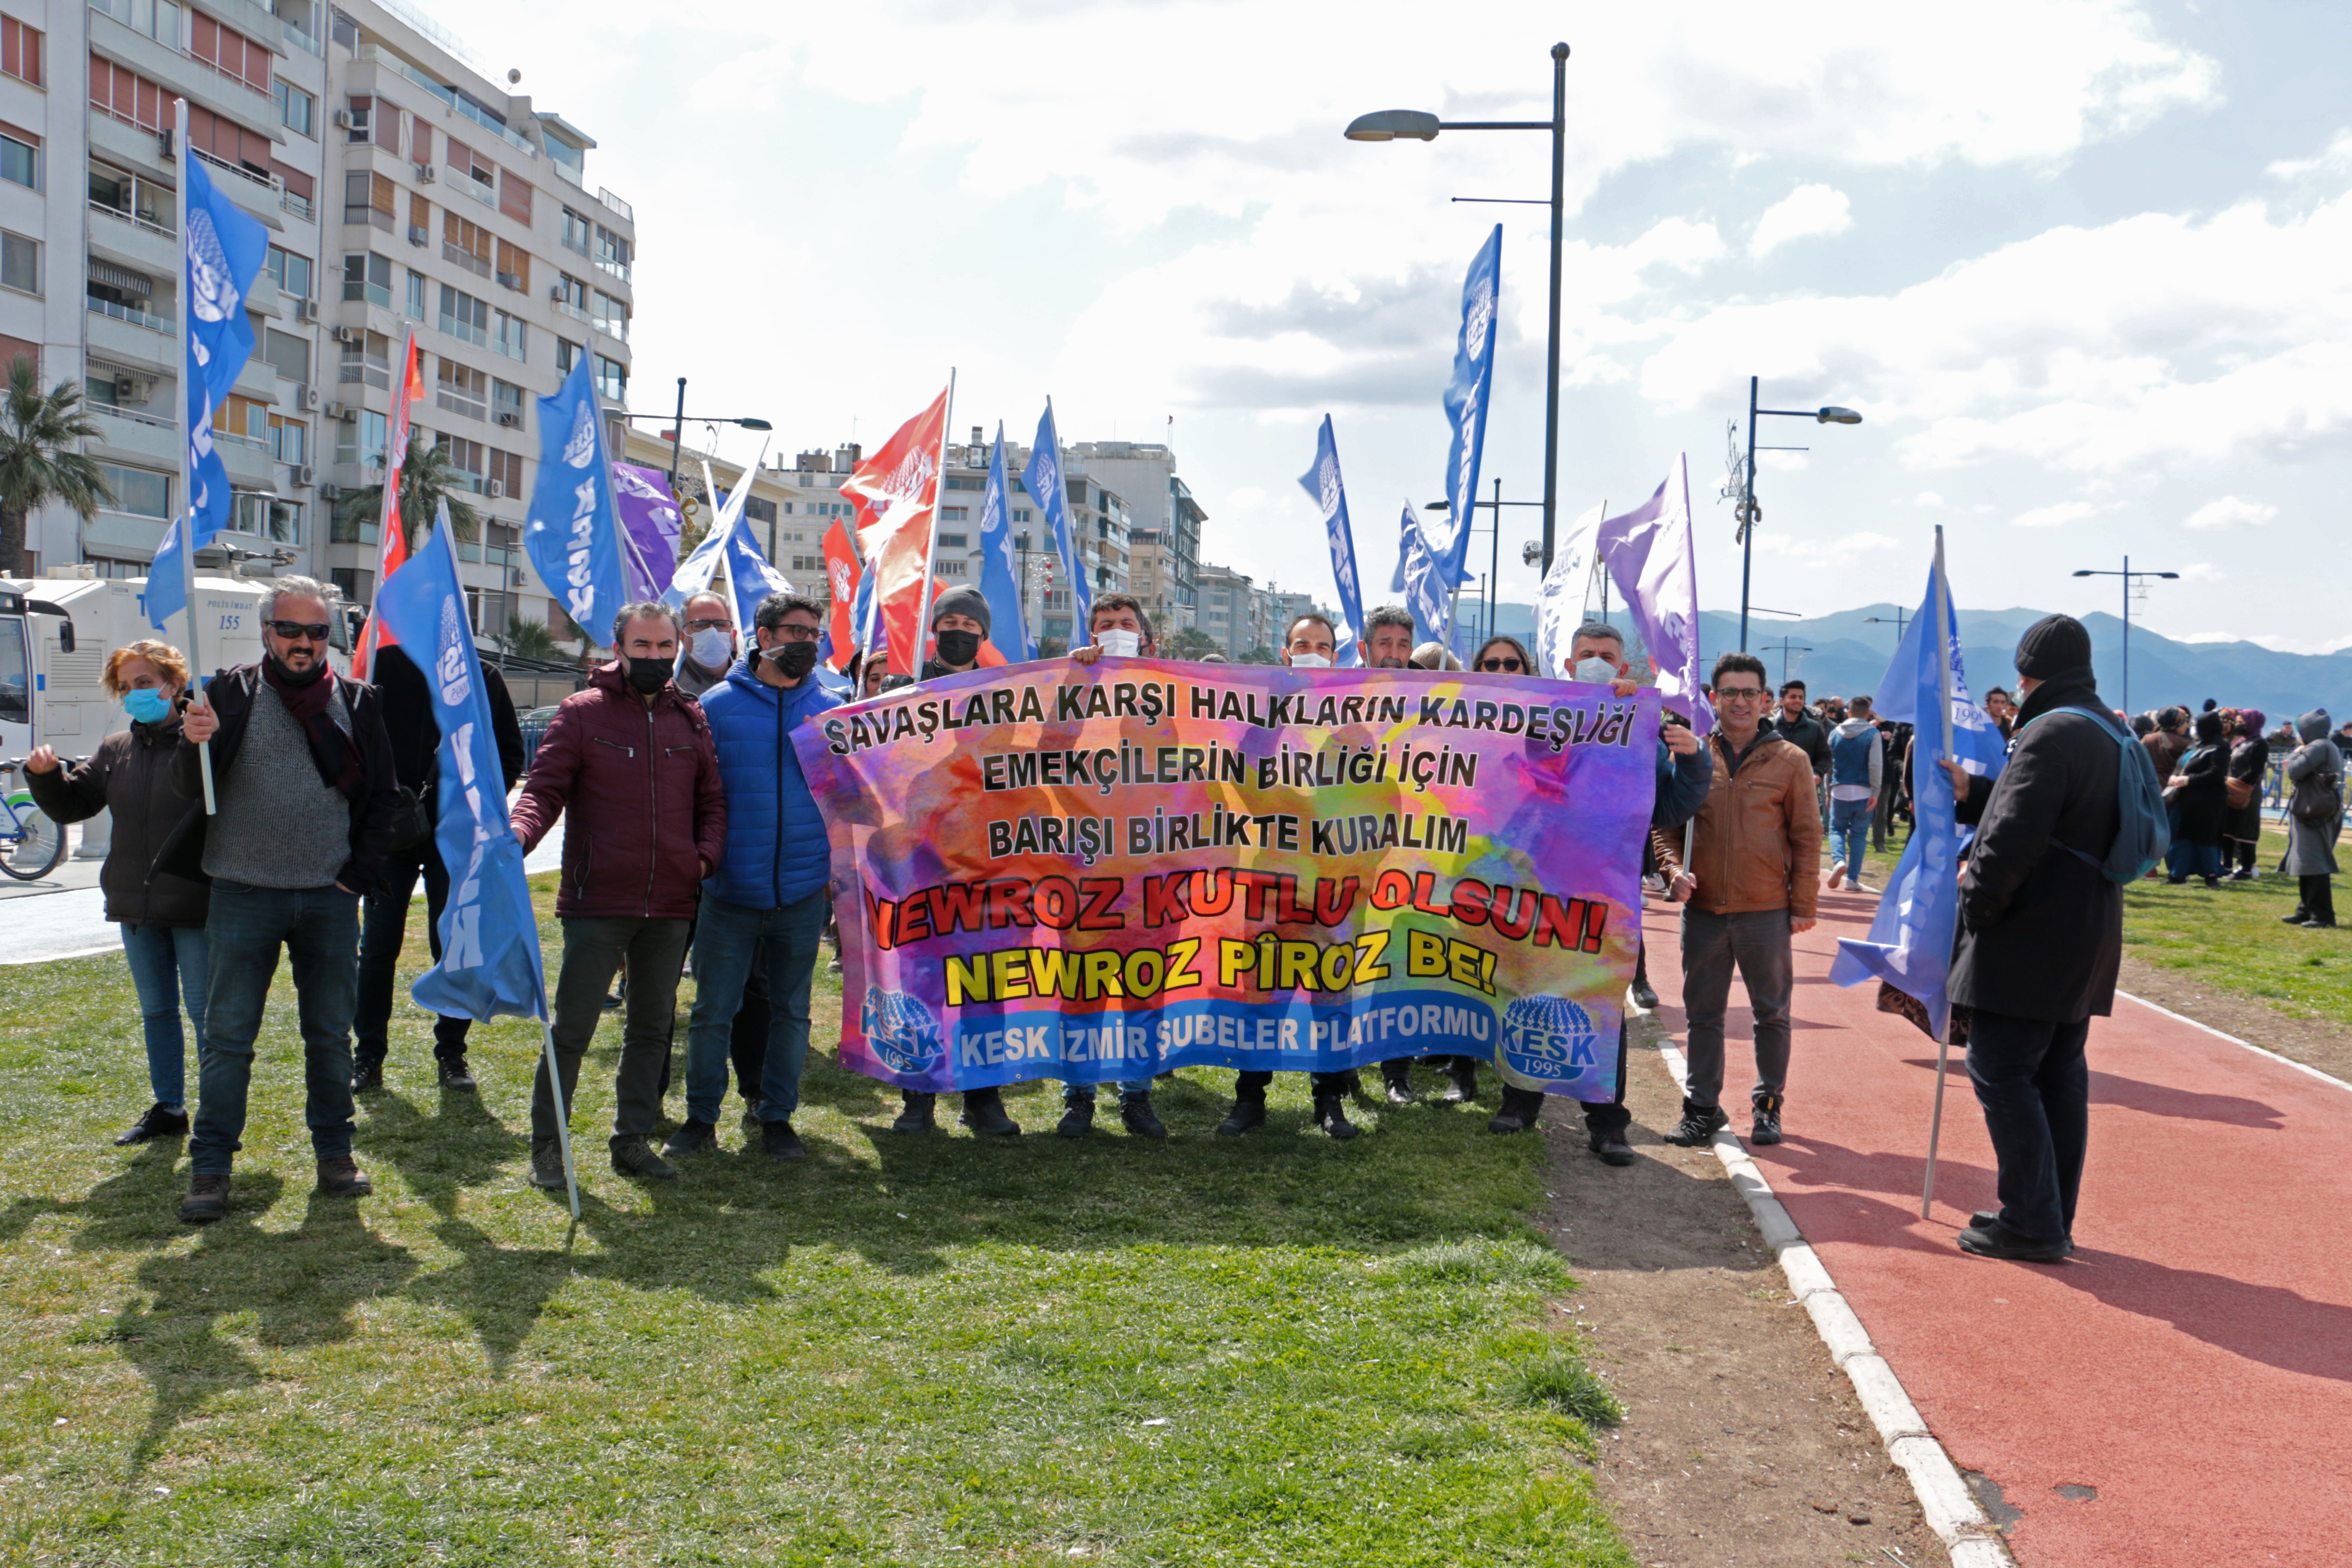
x=2056, y=515
x=2229, y=512
x=2202, y=571
x=1806, y=213
x=2334, y=158
x=1843, y=548
x=2272, y=641
x=1928, y=499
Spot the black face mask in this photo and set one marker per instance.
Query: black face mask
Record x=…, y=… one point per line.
x=793, y=660
x=293, y=677
x=959, y=648
x=649, y=675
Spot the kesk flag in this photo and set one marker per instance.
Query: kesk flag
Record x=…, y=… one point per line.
x=391, y=528
x=749, y=573
x=1323, y=485
x=1000, y=579
x=1559, y=601
x=1466, y=395
x=1910, y=941
x=1086, y=873
x=489, y=963
x=1648, y=552
x=1043, y=480
x=840, y=574
x=221, y=253
x=570, y=532
x=895, y=492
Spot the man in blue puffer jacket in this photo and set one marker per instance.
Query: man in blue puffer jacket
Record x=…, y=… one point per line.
x=766, y=902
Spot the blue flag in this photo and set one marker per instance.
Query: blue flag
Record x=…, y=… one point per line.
x=1043, y=478
x=221, y=254
x=868, y=625
x=1910, y=941
x=572, y=533
x=750, y=574
x=1465, y=404
x=1000, y=579
x=489, y=963
x=1323, y=485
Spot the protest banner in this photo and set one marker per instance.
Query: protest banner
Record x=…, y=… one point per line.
x=1090, y=873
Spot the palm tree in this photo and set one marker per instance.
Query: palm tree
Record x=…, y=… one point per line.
x=38, y=431
x=426, y=479
x=530, y=640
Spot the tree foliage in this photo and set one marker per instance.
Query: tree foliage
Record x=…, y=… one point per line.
x=38, y=463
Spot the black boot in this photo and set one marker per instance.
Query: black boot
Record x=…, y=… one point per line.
x=1463, y=1088
x=1248, y=1112
x=1396, y=1081
x=1698, y=1126
x=917, y=1112
x=1136, y=1113
x=1522, y=1109
x=983, y=1113
x=1077, y=1117
x=1331, y=1115
x=367, y=1071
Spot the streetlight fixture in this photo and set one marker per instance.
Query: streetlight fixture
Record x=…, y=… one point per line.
x=2130, y=576
x=1749, y=515
x=1902, y=618
x=677, y=429
x=1414, y=125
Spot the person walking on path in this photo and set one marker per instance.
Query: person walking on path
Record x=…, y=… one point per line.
x=303, y=779
x=1857, y=769
x=1803, y=729
x=2197, y=799
x=1756, y=865
x=2315, y=812
x=2041, y=939
x=2242, y=824
x=764, y=906
x=416, y=759
x=631, y=760
x=162, y=916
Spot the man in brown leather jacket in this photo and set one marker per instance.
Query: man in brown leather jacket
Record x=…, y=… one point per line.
x=1755, y=875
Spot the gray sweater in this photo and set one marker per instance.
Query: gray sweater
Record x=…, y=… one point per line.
x=280, y=824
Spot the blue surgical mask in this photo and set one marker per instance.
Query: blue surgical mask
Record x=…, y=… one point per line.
x=148, y=706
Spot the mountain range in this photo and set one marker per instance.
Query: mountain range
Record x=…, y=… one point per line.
x=1848, y=652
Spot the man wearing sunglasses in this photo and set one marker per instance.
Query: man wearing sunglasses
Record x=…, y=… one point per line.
x=303, y=777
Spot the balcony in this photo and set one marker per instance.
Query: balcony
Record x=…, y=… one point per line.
x=368, y=217
x=619, y=269
x=135, y=317
x=566, y=308
x=298, y=206
x=113, y=411
x=512, y=281
x=617, y=203
x=135, y=219
x=369, y=371
x=478, y=336
x=478, y=265
x=457, y=403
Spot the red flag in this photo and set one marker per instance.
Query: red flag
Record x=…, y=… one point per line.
x=391, y=533
x=895, y=492
x=841, y=571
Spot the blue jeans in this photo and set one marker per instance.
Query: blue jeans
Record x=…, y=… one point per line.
x=168, y=963
x=319, y=929
x=728, y=940
x=2034, y=1084
x=1848, y=831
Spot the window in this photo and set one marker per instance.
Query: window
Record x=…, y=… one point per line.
x=20, y=162
x=1021, y=514
x=466, y=243
x=612, y=379
x=478, y=175
x=514, y=268
x=369, y=198
x=567, y=355
x=575, y=231
x=367, y=362
x=953, y=541
x=240, y=418
x=464, y=316
x=20, y=50
x=759, y=509
x=514, y=198
x=506, y=472
x=951, y=568
x=289, y=440
x=141, y=492
x=510, y=335
x=462, y=390
x=465, y=457
x=99, y=389
x=368, y=277
x=297, y=109
x=362, y=120
x=506, y=404
x=955, y=514
x=20, y=263
x=229, y=52
x=611, y=315
x=288, y=354
x=571, y=295
x=291, y=272
x=420, y=220
x=412, y=303
x=612, y=253
x=360, y=439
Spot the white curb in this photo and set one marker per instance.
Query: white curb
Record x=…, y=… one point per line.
x=2258, y=1050
x=1950, y=1509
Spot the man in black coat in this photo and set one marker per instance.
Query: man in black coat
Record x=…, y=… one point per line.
x=407, y=704
x=2041, y=939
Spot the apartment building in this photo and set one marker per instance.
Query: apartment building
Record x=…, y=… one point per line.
x=1232, y=610
x=401, y=186
x=1164, y=523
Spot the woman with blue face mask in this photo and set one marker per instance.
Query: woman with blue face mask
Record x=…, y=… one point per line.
x=162, y=918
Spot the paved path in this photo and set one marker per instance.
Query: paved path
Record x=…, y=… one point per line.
x=2193, y=1362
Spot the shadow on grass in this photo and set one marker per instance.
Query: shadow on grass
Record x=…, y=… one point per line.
x=460, y=1145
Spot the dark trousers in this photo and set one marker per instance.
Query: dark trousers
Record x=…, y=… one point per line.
x=732, y=944
x=2034, y=1084
x=381, y=934
x=1252, y=1085
x=318, y=927
x=592, y=949
x=1758, y=942
x=2318, y=897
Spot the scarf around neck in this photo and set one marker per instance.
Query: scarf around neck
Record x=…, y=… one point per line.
x=331, y=750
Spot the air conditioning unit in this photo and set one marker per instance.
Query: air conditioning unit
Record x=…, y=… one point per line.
x=341, y=411
x=418, y=233
x=511, y=421
x=330, y=493
x=515, y=578
x=163, y=140
x=510, y=281
x=426, y=173
x=126, y=388
x=310, y=397
x=343, y=120
x=350, y=335
x=495, y=489
x=306, y=475
x=306, y=311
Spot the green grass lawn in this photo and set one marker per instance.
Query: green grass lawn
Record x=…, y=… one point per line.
x=1275, y=1350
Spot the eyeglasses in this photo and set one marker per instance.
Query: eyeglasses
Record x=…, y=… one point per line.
x=710, y=625
x=794, y=633
x=1740, y=694
x=1511, y=665
x=295, y=630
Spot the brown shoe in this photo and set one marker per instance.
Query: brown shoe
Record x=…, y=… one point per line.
x=340, y=1178
x=208, y=1200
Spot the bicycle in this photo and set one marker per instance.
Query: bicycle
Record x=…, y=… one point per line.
x=31, y=844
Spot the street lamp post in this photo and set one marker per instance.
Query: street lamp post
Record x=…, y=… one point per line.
x=1494, y=553
x=2128, y=575
x=1389, y=124
x=1747, y=512
x=677, y=429
x=1901, y=618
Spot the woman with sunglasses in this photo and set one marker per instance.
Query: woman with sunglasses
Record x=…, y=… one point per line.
x=1504, y=655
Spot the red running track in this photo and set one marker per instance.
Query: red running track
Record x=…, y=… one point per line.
x=2193, y=1362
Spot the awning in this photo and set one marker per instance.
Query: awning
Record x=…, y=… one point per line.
x=120, y=277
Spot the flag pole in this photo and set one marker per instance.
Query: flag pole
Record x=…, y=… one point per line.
x=931, y=550
x=1943, y=596
x=187, y=478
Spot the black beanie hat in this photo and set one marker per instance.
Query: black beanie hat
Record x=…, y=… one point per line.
x=962, y=602
x=2052, y=646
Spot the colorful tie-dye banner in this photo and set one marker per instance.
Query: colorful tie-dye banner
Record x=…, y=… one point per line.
x=1057, y=872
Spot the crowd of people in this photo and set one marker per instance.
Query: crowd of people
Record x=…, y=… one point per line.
x=693, y=844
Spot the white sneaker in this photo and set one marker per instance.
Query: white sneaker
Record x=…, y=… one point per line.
x=1855, y=884
x=1837, y=873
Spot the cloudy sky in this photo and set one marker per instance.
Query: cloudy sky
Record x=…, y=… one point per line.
x=2085, y=265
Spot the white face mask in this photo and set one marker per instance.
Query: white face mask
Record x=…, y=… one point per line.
x=1120, y=644
x=1595, y=670
x=1309, y=661
x=712, y=649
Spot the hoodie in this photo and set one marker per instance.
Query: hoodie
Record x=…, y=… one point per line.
x=1857, y=756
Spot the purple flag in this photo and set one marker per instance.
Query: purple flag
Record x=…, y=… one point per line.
x=650, y=525
x=1648, y=553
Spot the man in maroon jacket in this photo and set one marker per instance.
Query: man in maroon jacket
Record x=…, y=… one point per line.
x=631, y=760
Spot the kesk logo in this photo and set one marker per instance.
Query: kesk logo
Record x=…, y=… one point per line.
x=1549, y=1037
x=456, y=685
x=581, y=449
x=901, y=1031
x=211, y=294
